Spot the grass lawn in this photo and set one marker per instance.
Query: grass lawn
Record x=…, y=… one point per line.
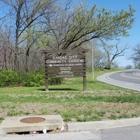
x=100, y=102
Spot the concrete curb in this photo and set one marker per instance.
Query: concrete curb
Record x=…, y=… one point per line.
x=2, y=132
x=98, y=125
x=31, y=123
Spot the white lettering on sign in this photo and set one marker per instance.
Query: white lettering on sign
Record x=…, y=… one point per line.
x=55, y=61
x=65, y=68
x=60, y=57
x=76, y=61
x=66, y=72
x=79, y=64
x=73, y=57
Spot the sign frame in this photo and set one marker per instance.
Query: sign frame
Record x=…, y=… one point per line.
x=65, y=64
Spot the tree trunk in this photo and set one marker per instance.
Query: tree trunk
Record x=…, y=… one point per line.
x=16, y=63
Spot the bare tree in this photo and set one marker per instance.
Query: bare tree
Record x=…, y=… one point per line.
x=6, y=50
x=136, y=55
x=113, y=51
x=25, y=13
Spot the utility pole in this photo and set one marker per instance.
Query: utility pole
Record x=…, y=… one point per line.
x=92, y=62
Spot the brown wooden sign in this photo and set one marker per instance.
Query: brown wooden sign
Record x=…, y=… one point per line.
x=65, y=64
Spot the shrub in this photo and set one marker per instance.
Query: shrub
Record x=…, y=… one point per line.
x=55, y=81
x=36, y=78
x=9, y=78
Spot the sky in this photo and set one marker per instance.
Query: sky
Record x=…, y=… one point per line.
x=134, y=32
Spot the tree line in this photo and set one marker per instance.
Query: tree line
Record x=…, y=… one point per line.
x=29, y=26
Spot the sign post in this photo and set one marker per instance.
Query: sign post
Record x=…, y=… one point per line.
x=65, y=64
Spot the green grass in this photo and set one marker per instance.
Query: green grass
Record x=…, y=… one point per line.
x=99, y=102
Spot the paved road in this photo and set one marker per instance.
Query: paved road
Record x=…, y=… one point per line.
x=126, y=133
x=127, y=79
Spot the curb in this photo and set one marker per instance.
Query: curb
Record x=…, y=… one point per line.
x=2, y=132
x=96, y=125
x=99, y=125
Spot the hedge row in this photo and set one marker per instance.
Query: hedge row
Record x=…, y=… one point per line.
x=10, y=78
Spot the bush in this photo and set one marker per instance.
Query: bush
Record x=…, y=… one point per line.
x=55, y=81
x=10, y=78
x=34, y=79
